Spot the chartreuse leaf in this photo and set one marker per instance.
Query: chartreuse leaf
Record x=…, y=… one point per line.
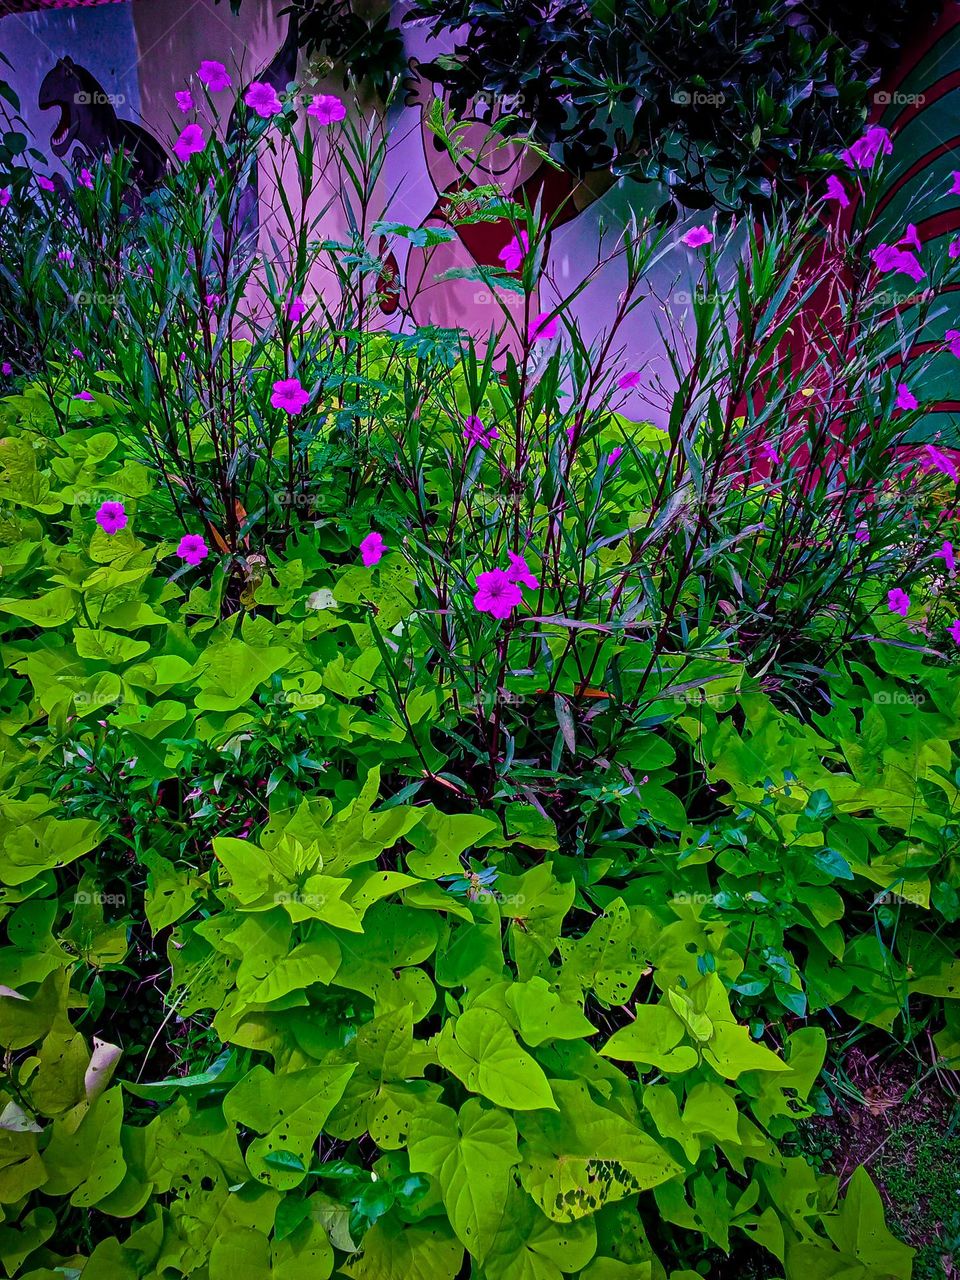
x=529, y=1246
x=543, y=1015
x=393, y=1250
x=382, y=959
x=858, y=1229
x=228, y=673
x=305, y=1254
x=43, y=843
x=288, y=1110
x=729, y=1049
x=654, y=1037
x=24, y=1021
x=701, y=1016
x=51, y=610
x=107, y=646
x=439, y=840
x=481, y=1050
x=22, y=1169
x=287, y=875
x=610, y=958
x=33, y=1230
x=711, y=1109
x=219, y=1075
x=88, y=1161
x=471, y=1156
x=384, y=1093
x=583, y=1156
x=863, y=1245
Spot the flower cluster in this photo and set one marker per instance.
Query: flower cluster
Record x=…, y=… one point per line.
x=499, y=590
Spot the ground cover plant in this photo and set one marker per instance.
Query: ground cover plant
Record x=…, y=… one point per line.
x=451, y=829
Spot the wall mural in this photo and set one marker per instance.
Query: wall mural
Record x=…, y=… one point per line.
x=95, y=77
x=90, y=129
x=922, y=113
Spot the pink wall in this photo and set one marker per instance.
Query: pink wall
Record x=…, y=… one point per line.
x=144, y=51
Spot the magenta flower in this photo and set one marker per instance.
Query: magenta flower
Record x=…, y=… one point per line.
x=6, y=368
x=86, y=179
x=111, y=517
x=898, y=602
x=836, y=191
x=190, y=142
x=295, y=309
x=911, y=238
x=544, y=328
x=262, y=98
x=5, y=197
x=940, y=462
x=192, y=548
x=887, y=257
x=474, y=432
x=614, y=456
x=954, y=630
x=952, y=339
x=65, y=255
x=627, y=381
x=214, y=75
x=496, y=594
x=862, y=533
x=372, y=549
x=954, y=183
x=83, y=395
x=906, y=400
x=45, y=184
x=946, y=554
x=520, y=571
x=290, y=395
x=954, y=249
x=77, y=353
x=767, y=453
x=863, y=153
x=326, y=108
x=697, y=236
x=184, y=100
x=513, y=254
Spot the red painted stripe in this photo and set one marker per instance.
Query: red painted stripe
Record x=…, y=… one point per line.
x=946, y=84
x=8, y=7
x=924, y=162
x=914, y=54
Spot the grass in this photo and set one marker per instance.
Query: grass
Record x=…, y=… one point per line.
x=906, y=1130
